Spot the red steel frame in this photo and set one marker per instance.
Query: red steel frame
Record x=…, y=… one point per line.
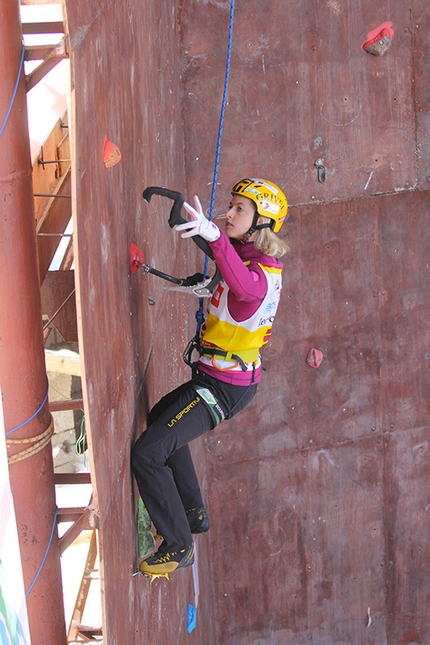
x=22, y=366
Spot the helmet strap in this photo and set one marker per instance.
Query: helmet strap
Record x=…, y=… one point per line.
x=255, y=227
x=244, y=239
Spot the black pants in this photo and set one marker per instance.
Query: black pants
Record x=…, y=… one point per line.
x=161, y=458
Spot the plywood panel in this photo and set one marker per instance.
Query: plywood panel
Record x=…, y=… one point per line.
x=308, y=489
x=309, y=485
x=302, y=88
x=310, y=529
x=420, y=29
x=125, y=72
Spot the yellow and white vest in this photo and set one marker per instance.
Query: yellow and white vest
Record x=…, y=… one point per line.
x=247, y=336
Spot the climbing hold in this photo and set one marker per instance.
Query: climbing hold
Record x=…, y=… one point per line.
x=379, y=40
x=314, y=357
x=111, y=153
x=136, y=258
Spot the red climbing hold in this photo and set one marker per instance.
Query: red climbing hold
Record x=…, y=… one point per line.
x=379, y=40
x=111, y=153
x=136, y=258
x=314, y=357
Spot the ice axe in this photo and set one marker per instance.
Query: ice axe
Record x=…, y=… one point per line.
x=195, y=284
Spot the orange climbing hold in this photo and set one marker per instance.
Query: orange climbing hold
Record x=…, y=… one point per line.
x=111, y=153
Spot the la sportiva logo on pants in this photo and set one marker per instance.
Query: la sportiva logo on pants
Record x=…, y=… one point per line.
x=185, y=410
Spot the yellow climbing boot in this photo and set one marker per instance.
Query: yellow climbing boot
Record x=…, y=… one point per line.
x=165, y=563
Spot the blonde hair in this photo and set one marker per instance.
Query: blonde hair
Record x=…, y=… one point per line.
x=268, y=242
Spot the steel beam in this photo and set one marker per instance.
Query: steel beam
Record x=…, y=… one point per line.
x=22, y=364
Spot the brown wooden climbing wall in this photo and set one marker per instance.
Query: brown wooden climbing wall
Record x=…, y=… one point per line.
x=318, y=492
x=301, y=88
x=125, y=71
x=320, y=487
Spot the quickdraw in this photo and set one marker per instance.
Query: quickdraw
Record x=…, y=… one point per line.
x=196, y=284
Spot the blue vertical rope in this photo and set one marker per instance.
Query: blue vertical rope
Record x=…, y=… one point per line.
x=33, y=415
x=21, y=65
x=224, y=103
x=199, y=313
x=54, y=524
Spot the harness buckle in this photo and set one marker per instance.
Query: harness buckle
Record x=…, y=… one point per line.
x=193, y=345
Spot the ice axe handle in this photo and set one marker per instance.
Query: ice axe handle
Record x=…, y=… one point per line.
x=175, y=216
x=160, y=274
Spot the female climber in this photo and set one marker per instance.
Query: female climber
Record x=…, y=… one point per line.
x=239, y=322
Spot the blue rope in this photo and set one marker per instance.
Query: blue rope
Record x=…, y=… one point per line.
x=33, y=415
x=21, y=65
x=54, y=524
x=224, y=103
x=199, y=313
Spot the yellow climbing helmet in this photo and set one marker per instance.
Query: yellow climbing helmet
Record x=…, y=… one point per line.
x=268, y=198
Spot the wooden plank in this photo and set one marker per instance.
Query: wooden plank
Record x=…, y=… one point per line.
x=81, y=524
x=130, y=327
x=36, y=2
x=43, y=52
x=72, y=478
x=42, y=70
x=70, y=510
x=69, y=404
x=308, y=526
x=70, y=514
x=69, y=257
x=42, y=27
x=326, y=467
x=54, y=219
x=75, y=626
x=46, y=177
x=57, y=362
x=59, y=303
x=421, y=27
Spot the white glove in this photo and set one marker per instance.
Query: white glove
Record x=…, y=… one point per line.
x=199, y=225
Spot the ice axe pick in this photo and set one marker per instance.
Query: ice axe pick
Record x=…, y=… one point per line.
x=137, y=262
